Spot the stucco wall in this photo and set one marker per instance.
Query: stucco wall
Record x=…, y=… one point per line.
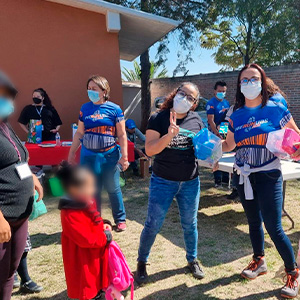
x=286, y=77
x=56, y=47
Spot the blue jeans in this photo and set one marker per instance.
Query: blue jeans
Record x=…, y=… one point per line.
x=109, y=178
x=267, y=207
x=161, y=195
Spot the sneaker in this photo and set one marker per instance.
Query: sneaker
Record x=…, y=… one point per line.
x=256, y=267
x=218, y=185
x=196, y=270
x=141, y=276
x=121, y=227
x=30, y=287
x=291, y=288
x=16, y=281
x=234, y=194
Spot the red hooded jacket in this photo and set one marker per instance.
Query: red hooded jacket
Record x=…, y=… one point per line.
x=85, y=254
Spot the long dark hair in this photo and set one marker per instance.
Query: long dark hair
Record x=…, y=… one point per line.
x=47, y=101
x=240, y=98
x=168, y=103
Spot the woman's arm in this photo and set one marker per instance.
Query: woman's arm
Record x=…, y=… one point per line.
x=156, y=144
x=38, y=187
x=122, y=138
x=229, y=144
x=24, y=127
x=56, y=129
x=292, y=125
x=76, y=142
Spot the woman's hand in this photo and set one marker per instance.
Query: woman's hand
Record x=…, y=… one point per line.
x=54, y=130
x=5, y=232
x=124, y=163
x=297, y=153
x=215, y=167
x=173, y=128
x=38, y=187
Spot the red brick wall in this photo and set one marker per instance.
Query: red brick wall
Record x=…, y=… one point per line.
x=286, y=77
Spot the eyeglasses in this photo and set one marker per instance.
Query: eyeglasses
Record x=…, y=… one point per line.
x=253, y=80
x=189, y=98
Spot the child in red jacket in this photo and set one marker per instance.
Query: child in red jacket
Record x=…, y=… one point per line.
x=84, y=235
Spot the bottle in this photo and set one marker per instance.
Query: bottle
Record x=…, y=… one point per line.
x=57, y=138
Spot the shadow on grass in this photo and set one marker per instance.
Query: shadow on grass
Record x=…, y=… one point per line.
x=43, y=239
x=61, y=296
x=201, y=291
x=216, y=232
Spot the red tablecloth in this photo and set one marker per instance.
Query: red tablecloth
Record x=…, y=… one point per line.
x=55, y=155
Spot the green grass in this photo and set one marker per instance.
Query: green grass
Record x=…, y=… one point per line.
x=224, y=249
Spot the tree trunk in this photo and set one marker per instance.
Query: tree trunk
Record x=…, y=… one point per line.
x=145, y=89
x=145, y=79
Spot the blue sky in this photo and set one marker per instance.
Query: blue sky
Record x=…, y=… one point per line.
x=203, y=62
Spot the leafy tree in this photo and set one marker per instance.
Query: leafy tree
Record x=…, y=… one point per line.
x=135, y=74
x=244, y=31
x=188, y=12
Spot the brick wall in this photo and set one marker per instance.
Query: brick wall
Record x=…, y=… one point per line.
x=286, y=77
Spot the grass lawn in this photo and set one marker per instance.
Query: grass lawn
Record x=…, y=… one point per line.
x=224, y=248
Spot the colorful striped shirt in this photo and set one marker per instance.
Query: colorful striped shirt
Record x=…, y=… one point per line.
x=100, y=125
x=251, y=127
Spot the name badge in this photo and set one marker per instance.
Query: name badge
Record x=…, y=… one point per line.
x=23, y=171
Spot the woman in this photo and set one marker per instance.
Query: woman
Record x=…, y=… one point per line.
x=175, y=173
x=100, y=123
x=41, y=109
x=16, y=192
x=260, y=178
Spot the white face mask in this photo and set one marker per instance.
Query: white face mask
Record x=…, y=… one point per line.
x=251, y=90
x=181, y=105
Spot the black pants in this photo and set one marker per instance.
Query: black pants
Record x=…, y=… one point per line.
x=10, y=256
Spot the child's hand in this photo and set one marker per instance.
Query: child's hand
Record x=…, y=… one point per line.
x=107, y=227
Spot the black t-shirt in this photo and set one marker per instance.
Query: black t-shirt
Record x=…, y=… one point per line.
x=49, y=116
x=16, y=195
x=177, y=161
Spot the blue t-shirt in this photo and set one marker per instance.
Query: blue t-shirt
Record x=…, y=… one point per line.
x=218, y=109
x=100, y=125
x=251, y=127
x=278, y=98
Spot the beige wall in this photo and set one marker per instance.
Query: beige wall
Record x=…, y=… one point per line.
x=56, y=47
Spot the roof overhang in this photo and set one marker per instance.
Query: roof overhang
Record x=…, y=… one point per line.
x=137, y=30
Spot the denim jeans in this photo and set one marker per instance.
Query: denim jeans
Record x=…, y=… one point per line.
x=267, y=207
x=109, y=178
x=161, y=195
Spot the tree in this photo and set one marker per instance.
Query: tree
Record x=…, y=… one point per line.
x=244, y=31
x=188, y=12
x=135, y=74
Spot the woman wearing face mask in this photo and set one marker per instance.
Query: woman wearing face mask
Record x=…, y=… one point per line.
x=175, y=173
x=100, y=123
x=41, y=109
x=260, y=178
x=16, y=192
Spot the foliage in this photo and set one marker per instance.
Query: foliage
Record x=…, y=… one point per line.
x=188, y=12
x=135, y=73
x=243, y=31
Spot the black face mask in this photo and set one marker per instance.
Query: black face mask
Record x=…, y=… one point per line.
x=37, y=100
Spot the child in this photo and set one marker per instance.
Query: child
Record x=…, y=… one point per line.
x=84, y=235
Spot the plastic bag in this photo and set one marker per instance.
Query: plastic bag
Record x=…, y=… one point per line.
x=39, y=208
x=281, y=142
x=207, y=146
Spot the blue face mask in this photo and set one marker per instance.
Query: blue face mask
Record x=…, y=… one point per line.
x=94, y=96
x=221, y=95
x=6, y=107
